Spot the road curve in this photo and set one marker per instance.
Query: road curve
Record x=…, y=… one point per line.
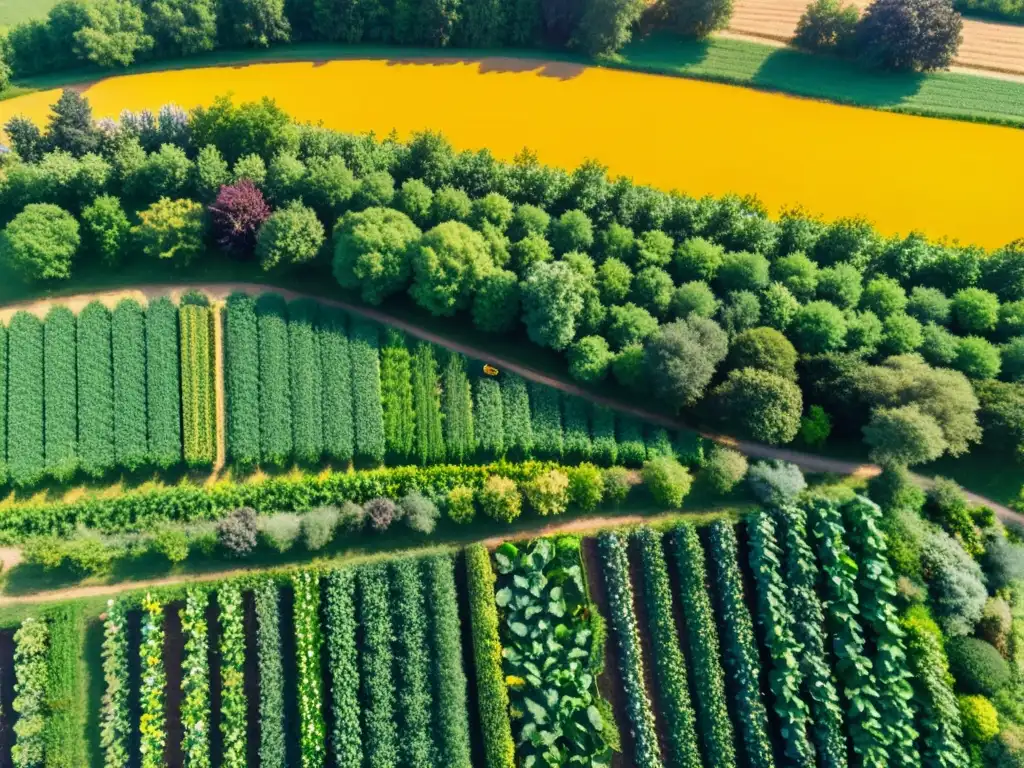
x=808, y=462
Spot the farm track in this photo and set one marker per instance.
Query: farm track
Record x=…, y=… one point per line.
x=987, y=45
x=220, y=291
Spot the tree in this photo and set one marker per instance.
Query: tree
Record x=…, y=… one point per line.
x=975, y=310
x=500, y=499
x=70, y=126
x=901, y=334
x=1002, y=416
x=742, y=271
x=697, y=18
x=251, y=128
x=25, y=137
x=695, y=298
x=759, y=405
x=765, y=349
x=884, y=296
x=237, y=215
x=741, y=312
x=938, y=346
x=105, y=229
x=253, y=23
x=1013, y=359
x=40, y=242
x=182, y=27
x=165, y=173
x=828, y=25
x=630, y=324
x=450, y=204
x=572, y=231
x=654, y=249
x=211, y=172
x=841, y=285
x=778, y=307
x=291, y=235
x=589, y=359
x=816, y=426
x=652, y=289
x=113, y=34
x=250, y=167
x=497, y=301
x=977, y=358
x=607, y=25
x=552, y=303
x=171, y=229
x=1002, y=272
x=668, y=481
x=725, y=468
x=680, y=359
x=698, y=259
x=798, y=273
x=929, y=305
x=915, y=35
x=863, y=332
x=904, y=435
x=448, y=264
x=614, y=279
x=371, y=252
x=482, y=24
x=818, y=327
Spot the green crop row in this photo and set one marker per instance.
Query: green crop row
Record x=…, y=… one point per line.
x=198, y=388
x=275, y=406
x=60, y=396
x=233, y=702
x=65, y=689
x=306, y=380
x=241, y=380
x=546, y=415
x=342, y=629
x=25, y=400
x=670, y=677
x=380, y=734
x=195, y=681
x=115, y=716
x=429, y=444
x=396, y=398
x=457, y=407
x=152, y=686
x=337, y=380
x=31, y=642
x=412, y=664
x=95, y=391
x=128, y=344
x=4, y=474
x=308, y=645
x=367, y=409
x=267, y=602
x=615, y=566
x=163, y=383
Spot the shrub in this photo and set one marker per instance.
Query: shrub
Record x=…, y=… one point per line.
x=460, y=504
x=281, y=531
x=548, y=493
x=994, y=626
x=237, y=215
x=381, y=513
x=917, y=35
x=759, y=405
x=827, y=25
x=105, y=229
x=904, y=436
x=816, y=426
x=589, y=359
x=290, y=235
x=956, y=583
x=775, y=482
x=171, y=541
x=500, y=499
x=980, y=719
x=977, y=666
x=668, y=481
x=977, y=358
x=40, y=242
x=586, y=486
x=617, y=485
x=171, y=230
x=419, y=512
x=237, y=532
x=725, y=468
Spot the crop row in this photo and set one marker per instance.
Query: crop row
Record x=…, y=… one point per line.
x=198, y=390
x=195, y=682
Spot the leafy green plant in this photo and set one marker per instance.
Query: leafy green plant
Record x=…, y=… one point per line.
x=488, y=418
x=337, y=385
x=308, y=642
x=198, y=399
x=367, y=412
x=457, y=410
x=115, y=716
x=233, y=702
x=60, y=398
x=95, y=390
x=65, y=687
x=163, y=384
x=275, y=407
x=30, y=672
x=195, y=681
x=342, y=626
x=412, y=663
x=396, y=394
x=128, y=345
x=241, y=380
x=306, y=381
x=380, y=732
x=428, y=446
x=152, y=689
x=25, y=400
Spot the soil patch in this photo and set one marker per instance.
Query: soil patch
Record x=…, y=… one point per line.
x=251, y=683
x=174, y=649
x=213, y=659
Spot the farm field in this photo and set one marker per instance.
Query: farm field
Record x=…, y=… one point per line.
x=789, y=159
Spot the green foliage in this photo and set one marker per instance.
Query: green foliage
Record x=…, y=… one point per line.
x=606, y=448
x=198, y=389
x=65, y=688
x=448, y=264
x=586, y=486
x=460, y=504
x=31, y=676
x=668, y=481
x=576, y=415
x=980, y=719
x=241, y=377
x=171, y=230
x=589, y=358
x=371, y=252
x=275, y=409
x=95, y=390
x=335, y=367
x=397, y=398
x=367, y=411
x=739, y=646
x=380, y=734
x=308, y=643
x=668, y=663
x=500, y=499
x=105, y=229
x=115, y=715
x=548, y=493
x=306, y=380
x=428, y=445
x=342, y=625
x=25, y=439
x=291, y=235
x=128, y=345
x=412, y=664
x=489, y=417
x=40, y=242
x=152, y=686
x=546, y=420
x=713, y=722
x=977, y=666
x=516, y=422
x=457, y=410
x=60, y=395
x=492, y=695
x=233, y=702
x=163, y=392
x=195, y=681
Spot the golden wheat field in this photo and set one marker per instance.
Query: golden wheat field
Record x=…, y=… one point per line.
x=944, y=178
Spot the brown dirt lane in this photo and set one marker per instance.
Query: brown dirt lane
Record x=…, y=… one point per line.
x=986, y=45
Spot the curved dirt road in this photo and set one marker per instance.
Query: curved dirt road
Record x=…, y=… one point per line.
x=220, y=291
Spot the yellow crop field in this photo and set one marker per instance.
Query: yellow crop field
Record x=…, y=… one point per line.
x=944, y=178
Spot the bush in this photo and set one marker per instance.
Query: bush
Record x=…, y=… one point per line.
x=681, y=358
x=319, y=526
x=40, y=242
x=381, y=513
x=827, y=25
x=956, y=583
x=1003, y=561
x=668, y=481
x=977, y=358
x=497, y=302
x=903, y=435
x=419, y=512
x=975, y=310
x=915, y=35
x=572, y=231
x=977, y=666
x=816, y=426
x=291, y=235
x=694, y=298
x=460, y=504
x=929, y=305
x=500, y=499
x=775, y=482
x=171, y=230
x=236, y=533
x=586, y=486
x=994, y=626
x=171, y=541
x=589, y=359
x=617, y=485
x=818, y=327
x=980, y=719
x=105, y=229
x=725, y=468
x=763, y=348
x=548, y=493
x=237, y=215
x=280, y=532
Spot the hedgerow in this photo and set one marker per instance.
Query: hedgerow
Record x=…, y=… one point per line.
x=489, y=418
x=492, y=695
x=429, y=445
x=342, y=627
x=128, y=346
x=367, y=412
x=670, y=676
x=241, y=380
x=801, y=575
x=233, y=701
x=457, y=410
x=577, y=444
x=705, y=659
x=65, y=688
x=615, y=561
x=152, y=688
x=163, y=383
x=308, y=644
x=515, y=410
x=267, y=601
x=95, y=391
x=30, y=673
x=60, y=397
x=412, y=662
x=740, y=652
x=876, y=586
x=195, y=682
x=546, y=417
x=115, y=715
x=337, y=385
x=842, y=607
x=275, y=407
x=632, y=450
x=380, y=734
x=25, y=400
x=396, y=397
x=306, y=381
x=606, y=448
x=787, y=674
x=198, y=403
x=451, y=721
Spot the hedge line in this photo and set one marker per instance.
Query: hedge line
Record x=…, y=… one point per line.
x=64, y=744
x=492, y=695
x=380, y=734
x=60, y=394
x=163, y=383
x=337, y=385
x=267, y=601
x=95, y=391
x=412, y=663
x=128, y=345
x=241, y=380
x=306, y=380
x=342, y=628
x=25, y=401
x=275, y=407
x=195, y=682
x=198, y=396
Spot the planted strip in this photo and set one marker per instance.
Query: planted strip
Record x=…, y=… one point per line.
x=629, y=433
x=577, y=443
x=367, y=412
x=606, y=447
x=152, y=689
x=412, y=663
x=30, y=674
x=242, y=380
x=163, y=383
x=702, y=637
x=615, y=561
x=546, y=417
x=380, y=734
x=429, y=444
x=95, y=391
x=267, y=601
x=115, y=717
x=4, y=471
x=457, y=406
x=128, y=343
x=515, y=405
x=308, y=643
x=396, y=402
x=195, y=681
x=275, y=408
x=337, y=385
x=60, y=399
x=65, y=688
x=342, y=628
x=306, y=381
x=232, y=677
x=198, y=405
x=25, y=401
x=670, y=675
x=489, y=418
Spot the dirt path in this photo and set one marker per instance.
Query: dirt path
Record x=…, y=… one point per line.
x=988, y=46
x=220, y=291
